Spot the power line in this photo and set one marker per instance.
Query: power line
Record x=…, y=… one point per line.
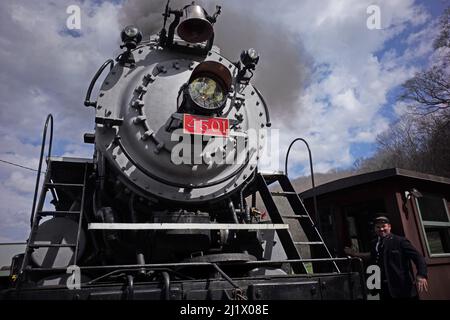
x=18, y=165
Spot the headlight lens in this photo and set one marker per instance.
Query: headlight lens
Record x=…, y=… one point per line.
x=131, y=31
x=207, y=93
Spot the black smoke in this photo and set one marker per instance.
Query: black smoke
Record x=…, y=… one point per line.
x=282, y=67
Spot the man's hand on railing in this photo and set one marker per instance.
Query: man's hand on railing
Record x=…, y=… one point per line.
x=350, y=251
x=353, y=253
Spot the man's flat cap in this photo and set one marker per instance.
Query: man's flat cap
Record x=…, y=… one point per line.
x=381, y=219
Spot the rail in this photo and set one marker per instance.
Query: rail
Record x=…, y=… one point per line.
x=38, y=177
x=87, y=100
x=124, y=267
x=316, y=213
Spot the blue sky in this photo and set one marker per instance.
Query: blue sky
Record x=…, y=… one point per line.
x=326, y=76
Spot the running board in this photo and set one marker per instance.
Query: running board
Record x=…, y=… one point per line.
x=185, y=226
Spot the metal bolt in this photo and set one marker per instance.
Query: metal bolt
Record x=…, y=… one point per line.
x=149, y=78
x=107, y=113
x=257, y=103
x=147, y=134
x=139, y=119
x=101, y=94
x=138, y=104
x=140, y=50
x=252, y=93
x=141, y=89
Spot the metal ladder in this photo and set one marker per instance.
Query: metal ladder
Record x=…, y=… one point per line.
x=301, y=215
x=37, y=213
x=49, y=185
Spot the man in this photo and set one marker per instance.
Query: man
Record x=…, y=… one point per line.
x=393, y=254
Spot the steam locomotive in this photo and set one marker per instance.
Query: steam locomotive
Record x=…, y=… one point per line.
x=162, y=210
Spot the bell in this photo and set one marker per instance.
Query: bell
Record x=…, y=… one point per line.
x=194, y=27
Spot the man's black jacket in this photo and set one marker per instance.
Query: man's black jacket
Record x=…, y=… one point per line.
x=397, y=255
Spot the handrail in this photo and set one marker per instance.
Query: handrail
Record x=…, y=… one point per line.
x=266, y=109
x=87, y=101
x=44, y=136
x=196, y=264
x=316, y=214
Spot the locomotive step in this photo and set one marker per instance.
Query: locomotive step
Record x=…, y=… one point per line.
x=295, y=216
x=271, y=174
x=308, y=242
x=283, y=193
x=58, y=213
x=56, y=185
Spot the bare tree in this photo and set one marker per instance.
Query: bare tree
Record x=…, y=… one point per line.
x=415, y=142
x=443, y=40
x=429, y=91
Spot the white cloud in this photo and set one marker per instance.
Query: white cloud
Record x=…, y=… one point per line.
x=354, y=73
x=45, y=70
x=21, y=181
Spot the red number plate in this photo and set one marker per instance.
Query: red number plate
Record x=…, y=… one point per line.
x=205, y=125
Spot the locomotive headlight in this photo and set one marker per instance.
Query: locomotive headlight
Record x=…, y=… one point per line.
x=131, y=36
x=250, y=58
x=207, y=93
x=130, y=31
x=208, y=87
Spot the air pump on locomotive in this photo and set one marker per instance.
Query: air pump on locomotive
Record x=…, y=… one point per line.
x=163, y=203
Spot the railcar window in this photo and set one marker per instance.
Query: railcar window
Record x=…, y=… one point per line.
x=435, y=220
